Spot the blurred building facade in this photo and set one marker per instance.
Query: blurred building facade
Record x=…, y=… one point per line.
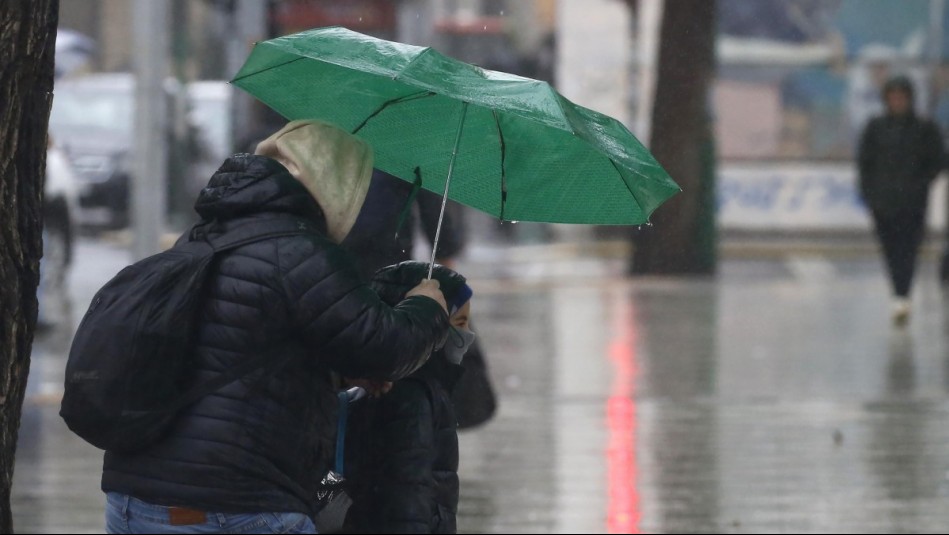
x=797, y=82
x=197, y=33
x=499, y=33
x=797, y=79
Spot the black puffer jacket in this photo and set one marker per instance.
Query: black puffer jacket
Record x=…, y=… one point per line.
x=402, y=456
x=898, y=158
x=263, y=443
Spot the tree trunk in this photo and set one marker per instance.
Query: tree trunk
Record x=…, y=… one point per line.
x=27, y=38
x=682, y=238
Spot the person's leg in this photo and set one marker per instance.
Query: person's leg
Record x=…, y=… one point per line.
x=55, y=305
x=944, y=267
x=54, y=296
x=891, y=232
x=130, y=515
x=116, y=513
x=887, y=230
x=296, y=523
x=910, y=230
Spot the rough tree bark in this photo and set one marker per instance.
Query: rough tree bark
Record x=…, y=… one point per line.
x=27, y=39
x=682, y=238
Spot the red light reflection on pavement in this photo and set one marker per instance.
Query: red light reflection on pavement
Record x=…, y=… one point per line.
x=623, y=509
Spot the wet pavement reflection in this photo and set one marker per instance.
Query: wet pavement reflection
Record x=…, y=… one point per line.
x=775, y=398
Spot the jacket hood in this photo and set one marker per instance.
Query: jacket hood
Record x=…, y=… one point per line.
x=333, y=165
x=393, y=282
x=247, y=184
x=903, y=84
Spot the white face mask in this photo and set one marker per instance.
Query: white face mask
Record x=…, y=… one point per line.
x=459, y=340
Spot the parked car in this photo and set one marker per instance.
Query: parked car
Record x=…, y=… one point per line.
x=93, y=121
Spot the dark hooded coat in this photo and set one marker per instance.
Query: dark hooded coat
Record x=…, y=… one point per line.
x=899, y=156
x=402, y=449
x=262, y=443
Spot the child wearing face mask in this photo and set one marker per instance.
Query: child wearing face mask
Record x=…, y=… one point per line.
x=402, y=449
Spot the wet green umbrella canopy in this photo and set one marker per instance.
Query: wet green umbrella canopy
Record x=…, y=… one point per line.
x=524, y=152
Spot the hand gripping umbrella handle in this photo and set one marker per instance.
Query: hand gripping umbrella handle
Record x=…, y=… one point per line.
x=451, y=169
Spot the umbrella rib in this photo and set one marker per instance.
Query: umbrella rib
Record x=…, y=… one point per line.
x=503, y=171
x=563, y=112
x=399, y=100
x=272, y=67
x=628, y=188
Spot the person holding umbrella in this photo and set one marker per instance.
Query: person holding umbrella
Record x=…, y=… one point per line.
x=520, y=150
x=384, y=234
x=900, y=154
x=509, y=146
x=248, y=458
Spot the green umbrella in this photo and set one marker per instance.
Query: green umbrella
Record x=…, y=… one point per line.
x=522, y=151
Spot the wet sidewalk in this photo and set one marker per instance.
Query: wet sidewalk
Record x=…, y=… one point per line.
x=775, y=398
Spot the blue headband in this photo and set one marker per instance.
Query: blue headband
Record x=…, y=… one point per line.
x=459, y=299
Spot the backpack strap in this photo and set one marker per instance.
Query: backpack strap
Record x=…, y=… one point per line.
x=252, y=232
x=237, y=372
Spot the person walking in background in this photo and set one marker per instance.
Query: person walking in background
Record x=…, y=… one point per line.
x=59, y=209
x=900, y=154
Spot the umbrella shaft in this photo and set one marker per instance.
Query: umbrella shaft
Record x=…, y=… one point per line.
x=451, y=169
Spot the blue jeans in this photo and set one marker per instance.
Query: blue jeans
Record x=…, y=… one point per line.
x=124, y=514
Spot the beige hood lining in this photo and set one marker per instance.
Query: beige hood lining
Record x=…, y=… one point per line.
x=334, y=165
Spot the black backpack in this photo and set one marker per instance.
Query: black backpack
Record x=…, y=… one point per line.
x=127, y=374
